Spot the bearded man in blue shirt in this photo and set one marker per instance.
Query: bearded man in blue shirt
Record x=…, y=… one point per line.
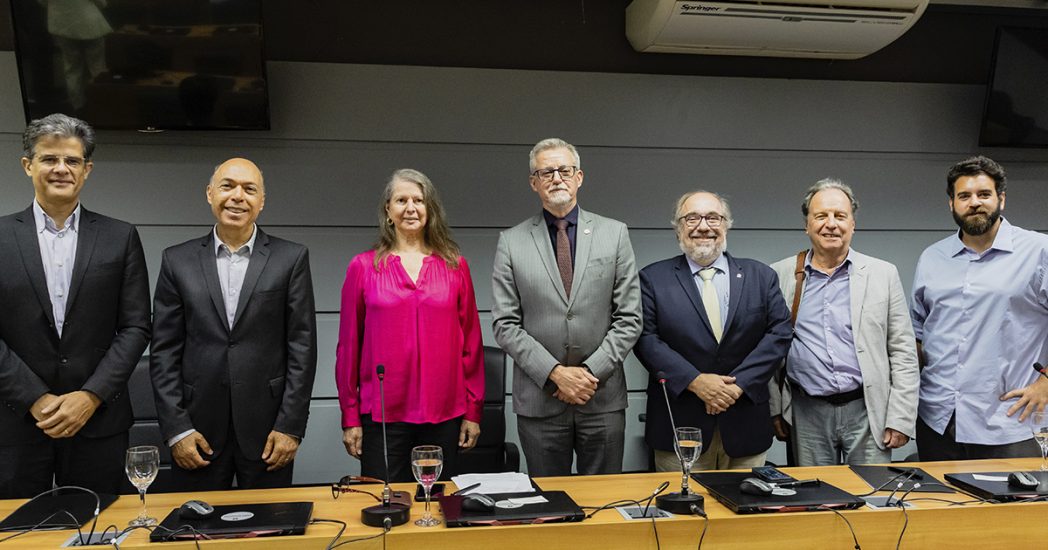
x=980, y=315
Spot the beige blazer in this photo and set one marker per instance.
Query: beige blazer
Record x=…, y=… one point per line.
x=884, y=344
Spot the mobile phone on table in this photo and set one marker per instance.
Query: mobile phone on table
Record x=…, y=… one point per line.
x=420, y=492
x=771, y=474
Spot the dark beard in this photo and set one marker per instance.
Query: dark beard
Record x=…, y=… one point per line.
x=974, y=227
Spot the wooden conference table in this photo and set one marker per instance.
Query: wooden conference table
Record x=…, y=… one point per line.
x=931, y=524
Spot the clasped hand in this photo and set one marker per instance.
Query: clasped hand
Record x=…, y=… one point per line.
x=63, y=415
x=575, y=385
x=717, y=391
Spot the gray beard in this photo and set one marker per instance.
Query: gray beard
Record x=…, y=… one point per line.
x=703, y=255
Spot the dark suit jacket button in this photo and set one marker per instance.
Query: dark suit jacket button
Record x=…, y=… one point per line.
x=232, y=344
x=571, y=316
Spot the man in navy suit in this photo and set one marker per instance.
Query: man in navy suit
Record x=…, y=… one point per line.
x=715, y=326
x=74, y=321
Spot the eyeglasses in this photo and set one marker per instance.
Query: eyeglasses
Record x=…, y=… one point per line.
x=691, y=221
x=547, y=174
x=50, y=161
x=343, y=486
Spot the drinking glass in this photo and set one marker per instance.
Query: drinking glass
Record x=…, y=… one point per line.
x=689, y=447
x=426, y=463
x=142, y=465
x=1039, y=427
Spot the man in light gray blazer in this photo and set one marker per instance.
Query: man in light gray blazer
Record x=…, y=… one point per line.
x=567, y=310
x=850, y=391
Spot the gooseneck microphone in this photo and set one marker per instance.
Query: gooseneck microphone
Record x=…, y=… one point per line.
x=1040, y=368
x=673, y=425
x=381, y=372
x=684, y=502
x=387, y=514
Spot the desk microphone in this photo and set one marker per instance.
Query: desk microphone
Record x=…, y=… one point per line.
x=1040, y=368
x=387, y=514
x=684, y=502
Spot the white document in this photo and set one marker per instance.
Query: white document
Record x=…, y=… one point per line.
x=984, y=477
x=506, y=482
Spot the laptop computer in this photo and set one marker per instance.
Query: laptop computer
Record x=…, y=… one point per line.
x=888, y=478
x=994, y=485
x=65, y=510
x=724, y=486
x=238, y=521
x=559, y=508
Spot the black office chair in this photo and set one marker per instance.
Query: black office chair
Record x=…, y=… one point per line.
x=492, y=452
x=146, y=429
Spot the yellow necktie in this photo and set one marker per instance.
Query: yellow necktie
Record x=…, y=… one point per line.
x=711, y=302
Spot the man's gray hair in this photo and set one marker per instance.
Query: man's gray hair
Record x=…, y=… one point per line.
x=725, y=207
x=60, y=126
x=824, y=184
x=552, y=143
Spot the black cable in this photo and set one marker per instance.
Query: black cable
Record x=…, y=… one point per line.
x=882, y=487
x=705, y=525
x=76, y=522
x=846, y=522
x=341, y=529
x=647, y=500
x=170, y=534
x=905, y=514
x=361, y=539
x=41, y=522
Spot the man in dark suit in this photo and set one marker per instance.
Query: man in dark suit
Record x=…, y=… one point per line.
x=74, y=321
x=717, y=327
x=234, y=356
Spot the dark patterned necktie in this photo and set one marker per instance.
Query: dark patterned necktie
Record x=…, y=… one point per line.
x=564, y=255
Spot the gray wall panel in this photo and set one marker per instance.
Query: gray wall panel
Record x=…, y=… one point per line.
x=322, y=458
x=371, y=102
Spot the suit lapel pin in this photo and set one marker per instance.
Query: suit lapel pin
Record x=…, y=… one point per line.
x=738, y=275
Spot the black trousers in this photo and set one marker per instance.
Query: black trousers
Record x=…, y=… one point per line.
x=402, y=437
x=93, y=463
x=935, y=446
x=231, y=462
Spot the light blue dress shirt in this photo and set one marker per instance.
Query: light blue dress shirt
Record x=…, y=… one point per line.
x=721, y=282
x=822, y=357
x=983, y=322
x=232, y=267
x=57, y=252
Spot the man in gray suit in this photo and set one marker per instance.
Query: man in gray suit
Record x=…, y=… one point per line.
x=567, y=310
x=851, y=374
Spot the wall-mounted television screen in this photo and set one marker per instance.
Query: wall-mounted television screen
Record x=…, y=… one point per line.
x=143, y=64
x=1016, y=113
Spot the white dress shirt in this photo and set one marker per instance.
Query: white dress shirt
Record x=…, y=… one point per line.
x=57, y=252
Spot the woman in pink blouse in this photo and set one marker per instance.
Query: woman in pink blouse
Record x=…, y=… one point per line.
x=408, y=304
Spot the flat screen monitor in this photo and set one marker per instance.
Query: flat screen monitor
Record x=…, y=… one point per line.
x=1016, y=113
x=141, y=64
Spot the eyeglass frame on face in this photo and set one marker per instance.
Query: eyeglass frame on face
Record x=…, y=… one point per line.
x=692, y=220
x=546, y=174
x=51, y=161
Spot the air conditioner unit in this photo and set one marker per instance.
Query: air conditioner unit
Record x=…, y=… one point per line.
x=835, y=29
